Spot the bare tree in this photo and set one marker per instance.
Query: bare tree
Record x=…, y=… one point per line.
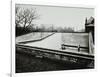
x=25, y=16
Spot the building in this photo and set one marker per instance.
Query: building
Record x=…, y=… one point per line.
x=89, y=26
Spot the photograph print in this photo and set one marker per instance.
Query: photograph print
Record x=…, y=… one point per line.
x=53, y=38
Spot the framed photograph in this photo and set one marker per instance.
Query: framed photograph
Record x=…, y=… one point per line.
x=51, y=37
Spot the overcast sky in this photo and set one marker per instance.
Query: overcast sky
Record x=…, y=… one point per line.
x=62, y=16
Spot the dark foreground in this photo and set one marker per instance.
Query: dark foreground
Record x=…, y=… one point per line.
x=29, y=63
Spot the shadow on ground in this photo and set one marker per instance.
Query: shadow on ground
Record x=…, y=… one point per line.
x=29, y=63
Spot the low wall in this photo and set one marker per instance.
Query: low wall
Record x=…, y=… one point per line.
x=65, y=57
x=91, y=45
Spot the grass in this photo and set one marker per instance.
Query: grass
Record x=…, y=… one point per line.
x=32, y=36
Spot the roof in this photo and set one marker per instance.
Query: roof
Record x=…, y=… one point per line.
x=90, y=21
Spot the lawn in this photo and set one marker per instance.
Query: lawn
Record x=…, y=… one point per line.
x=31, y=36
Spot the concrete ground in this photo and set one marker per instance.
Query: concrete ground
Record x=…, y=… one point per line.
x=54, y=42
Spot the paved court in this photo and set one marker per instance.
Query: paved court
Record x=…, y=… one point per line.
x=54, y=42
